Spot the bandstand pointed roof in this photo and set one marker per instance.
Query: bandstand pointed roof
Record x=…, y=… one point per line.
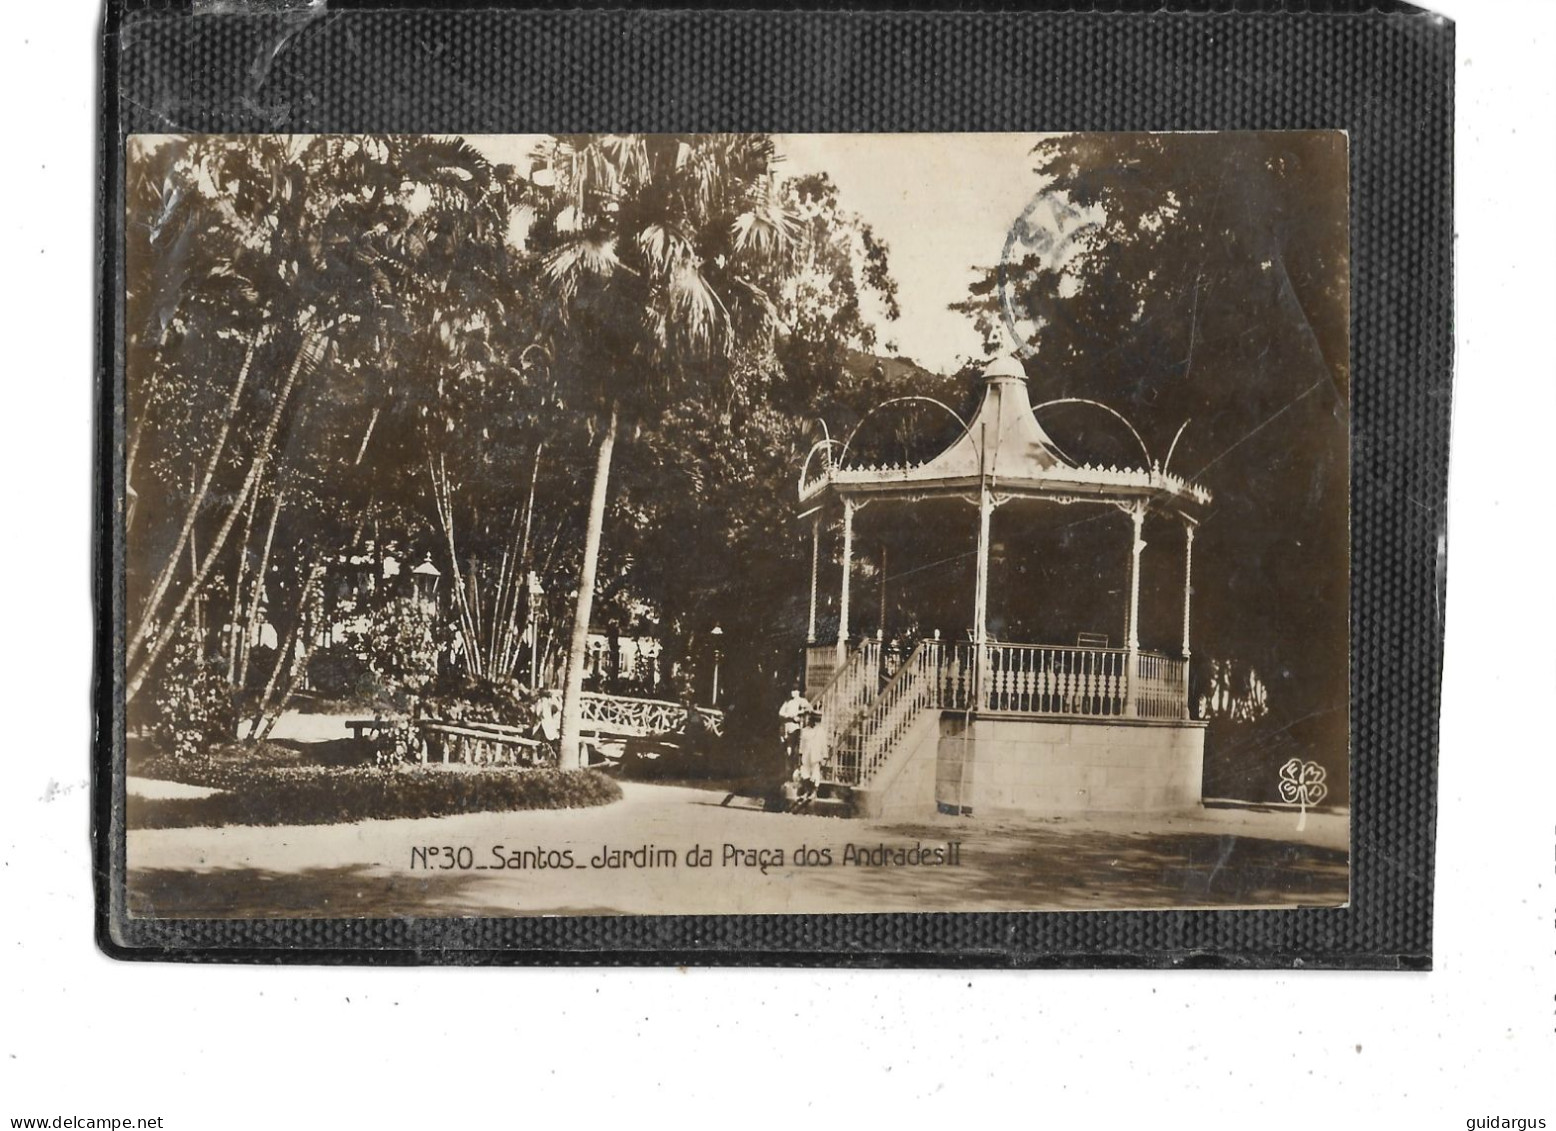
x=1003, y=447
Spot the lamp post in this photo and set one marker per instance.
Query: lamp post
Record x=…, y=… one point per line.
x=718, y=636
x=532, y=586
x=424, y=581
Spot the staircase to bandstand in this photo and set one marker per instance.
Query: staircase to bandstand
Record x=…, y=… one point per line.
x=853, y=686
x=866, y=721
x=933, y=675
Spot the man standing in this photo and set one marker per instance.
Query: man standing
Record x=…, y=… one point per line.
x=694, y=728
x=548, y=719
x=791, y=717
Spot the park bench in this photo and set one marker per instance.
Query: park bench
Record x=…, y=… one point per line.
x=360, y=727
x=481, y=742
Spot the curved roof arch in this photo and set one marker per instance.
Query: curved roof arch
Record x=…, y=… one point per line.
x=1004, y=448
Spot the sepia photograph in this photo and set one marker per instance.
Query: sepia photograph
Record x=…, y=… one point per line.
x=700, y=524
x=870, y=608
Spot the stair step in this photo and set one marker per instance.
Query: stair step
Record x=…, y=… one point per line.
x=834, y=801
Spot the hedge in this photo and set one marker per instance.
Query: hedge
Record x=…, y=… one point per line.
x=314, y=795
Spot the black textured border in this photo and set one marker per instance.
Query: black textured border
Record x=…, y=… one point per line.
x=1382, y=72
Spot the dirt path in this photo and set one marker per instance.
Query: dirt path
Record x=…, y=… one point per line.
x=154, y=790
x=749, y=862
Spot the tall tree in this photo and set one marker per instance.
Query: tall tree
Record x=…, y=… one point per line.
x=459, y=391
x=659, y=253
x=706, y=520
x=322, y=236
x=1203, y=277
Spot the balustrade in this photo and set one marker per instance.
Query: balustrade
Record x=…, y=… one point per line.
x=1040, y=680
x=1161, y=687
x=917, y=684
x=862, y=726
x=624, y=715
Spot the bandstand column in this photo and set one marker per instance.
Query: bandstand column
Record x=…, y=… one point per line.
x=1132, y=638
x=1188, y=581
x=815, y=564
x=880, y=620
x=981, y=596
x=1188, y=591
x=848, y=563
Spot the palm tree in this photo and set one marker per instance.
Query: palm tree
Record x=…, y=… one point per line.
x=659, y=253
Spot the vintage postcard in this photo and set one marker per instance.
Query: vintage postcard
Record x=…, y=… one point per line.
x=735, y=523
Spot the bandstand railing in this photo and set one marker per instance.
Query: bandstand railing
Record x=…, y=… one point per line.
x=863, y=726
x=1042, y=680
x=1161, y=687
x=1028, y=679
x=1095, y=683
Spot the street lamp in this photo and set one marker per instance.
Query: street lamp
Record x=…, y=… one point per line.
x=424, y=582
x=532, y=587
x=718, y=636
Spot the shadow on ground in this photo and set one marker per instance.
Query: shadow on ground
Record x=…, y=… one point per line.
x=1069, y=867
x=330, y=751
x=352, y=891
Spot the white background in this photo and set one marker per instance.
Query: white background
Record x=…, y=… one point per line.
x=315, y=1048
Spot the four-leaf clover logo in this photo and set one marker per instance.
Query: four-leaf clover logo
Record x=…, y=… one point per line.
x=1302, y=783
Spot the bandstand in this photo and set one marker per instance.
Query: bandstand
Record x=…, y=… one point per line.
x=975, y=723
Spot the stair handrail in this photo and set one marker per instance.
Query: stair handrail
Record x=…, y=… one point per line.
x=852, y=688
x=914, y=689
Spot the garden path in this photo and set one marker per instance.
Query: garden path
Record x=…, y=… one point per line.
x=1204, y=858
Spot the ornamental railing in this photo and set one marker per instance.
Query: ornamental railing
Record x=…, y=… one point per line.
x=641, y=718
x=1093, y=683
x=1042, y=680
x=480, y=743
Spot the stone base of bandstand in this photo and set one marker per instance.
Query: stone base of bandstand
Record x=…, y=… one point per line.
x=992, y=764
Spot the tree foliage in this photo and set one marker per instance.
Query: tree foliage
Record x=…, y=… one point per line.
x=663, y=259
x=342, y=349
x=1204, y=278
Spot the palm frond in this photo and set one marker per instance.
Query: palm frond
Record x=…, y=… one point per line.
x=768, y=230
x=580, y=261
x=698, y=314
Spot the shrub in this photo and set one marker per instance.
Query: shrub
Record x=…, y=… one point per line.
x=252, y=755
x=261, y=661
x=224, y=765
x=322, y=796
x=337, y=671
x=480, y=700
x=192, y=701
x=400, y=646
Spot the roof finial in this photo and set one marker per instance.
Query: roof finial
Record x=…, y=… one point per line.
x=1003, y=368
